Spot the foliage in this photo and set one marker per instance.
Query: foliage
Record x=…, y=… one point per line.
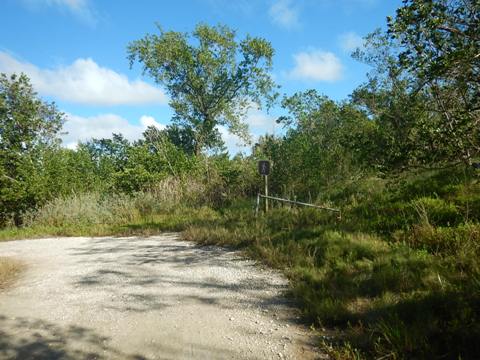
x=441, y=44
x=326, y=141
x=182, y=138
x=440, y=47
x=423, y=88
x=28, y=128
x=406, y=133
x=211, y=78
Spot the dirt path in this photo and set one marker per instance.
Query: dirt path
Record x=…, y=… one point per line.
x=144, y=298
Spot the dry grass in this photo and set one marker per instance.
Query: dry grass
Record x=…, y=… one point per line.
x=10, y=269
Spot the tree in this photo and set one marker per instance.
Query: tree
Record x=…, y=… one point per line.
x=171, y=157
x=183, y=138
x=410, y=113
x=330, y=142
x=28, y=126
x=326, y=142
x=440, y=47
x=392, y=104
x=212, y=79
x=108, y=154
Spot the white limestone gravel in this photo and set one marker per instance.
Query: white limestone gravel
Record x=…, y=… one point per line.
x=145, y=298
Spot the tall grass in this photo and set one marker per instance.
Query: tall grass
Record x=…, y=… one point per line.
x=10, y=269
x=169, y=205
x=114, y=208
x=88, y=209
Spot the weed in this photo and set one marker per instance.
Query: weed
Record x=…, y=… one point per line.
x=9, y=271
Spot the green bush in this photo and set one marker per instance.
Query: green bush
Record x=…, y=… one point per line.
x=437, y=212
x=445, y=241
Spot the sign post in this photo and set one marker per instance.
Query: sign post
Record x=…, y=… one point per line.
x=264, y=170
x=266, y=193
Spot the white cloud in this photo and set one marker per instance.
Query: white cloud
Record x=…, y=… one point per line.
x=79, y=8
x=316, y=65
x=284, y=14
x=350, y=41
x=233, y=143
x=258, y=122
x=80, y=128
x=85, y=82
x=147, y=121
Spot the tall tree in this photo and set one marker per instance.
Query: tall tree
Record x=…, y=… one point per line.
x=326, y=142
x=391, y=102
x=212, y=79
x=440, y=47
x=28, y=126
x=108, y=153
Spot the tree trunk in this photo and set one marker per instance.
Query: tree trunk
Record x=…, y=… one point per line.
x=198, y=148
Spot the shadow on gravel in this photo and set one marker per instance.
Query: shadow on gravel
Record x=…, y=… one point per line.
x=127, y=268
x=22, y=338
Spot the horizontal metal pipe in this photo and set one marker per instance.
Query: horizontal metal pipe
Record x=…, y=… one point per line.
x=299, y=203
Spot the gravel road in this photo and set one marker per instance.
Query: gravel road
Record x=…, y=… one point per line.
x=145, y=298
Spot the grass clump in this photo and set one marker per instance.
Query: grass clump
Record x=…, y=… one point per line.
x=10, y=269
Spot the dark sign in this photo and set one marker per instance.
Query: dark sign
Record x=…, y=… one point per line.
x=264, y=167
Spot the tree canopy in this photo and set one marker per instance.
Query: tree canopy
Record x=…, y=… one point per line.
x=27, y=127
x=440, y=47
x=212, y=79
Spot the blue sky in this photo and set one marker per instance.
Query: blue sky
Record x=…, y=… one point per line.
x=75, y=53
